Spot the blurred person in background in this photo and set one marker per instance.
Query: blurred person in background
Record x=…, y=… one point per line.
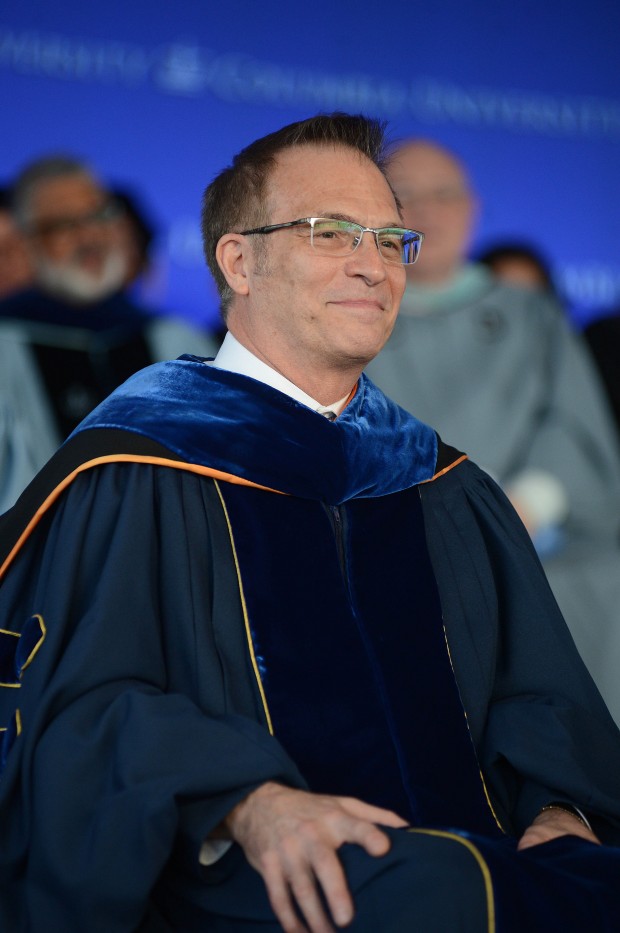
x=27, y=434
x=136, y=233
x=518, y=263
x=27, y=437
x=15, y=267
x=603, y=338
x=499, y=371
x=85, y=332
x=145, y=281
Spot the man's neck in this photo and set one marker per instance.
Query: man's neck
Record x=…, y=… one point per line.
x=235, y=356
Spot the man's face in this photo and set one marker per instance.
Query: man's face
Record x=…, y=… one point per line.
x=436, y=199
x=307, y=312
x=73, y=242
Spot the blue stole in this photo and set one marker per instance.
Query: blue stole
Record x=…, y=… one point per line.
x=245, y=428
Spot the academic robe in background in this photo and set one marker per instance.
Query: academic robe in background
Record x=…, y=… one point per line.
x=59, y=360
x=142, y=684
x=28, y=437
x=603, y=338
x=499, y=372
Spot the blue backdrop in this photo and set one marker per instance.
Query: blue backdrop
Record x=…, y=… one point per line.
x=159, y=95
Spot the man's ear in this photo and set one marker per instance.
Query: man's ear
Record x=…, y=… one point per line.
x=232, y=254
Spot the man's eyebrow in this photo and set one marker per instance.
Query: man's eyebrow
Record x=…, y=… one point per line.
x=336, y=215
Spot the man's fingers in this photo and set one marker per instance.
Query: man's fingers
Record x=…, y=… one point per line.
x=550, y=824
x=301, y=870
x=531, y=838
x=362, y=833
x=296, y=884
x=279, y=896
x=330, y=875
x=366, y=811
x=292, y=838
x=305, y=892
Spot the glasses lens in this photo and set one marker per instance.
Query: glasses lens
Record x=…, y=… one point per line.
x=399, y=245
x=412, y=242
x=102, y=215
x=390, y=241
x=335, y=237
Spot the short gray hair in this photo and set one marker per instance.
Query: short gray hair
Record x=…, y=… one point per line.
x=41, y=170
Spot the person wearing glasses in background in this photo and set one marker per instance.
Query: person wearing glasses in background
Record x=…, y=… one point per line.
x=27, y=439
x=285, y=659
x=85, y=331
x=497, y=368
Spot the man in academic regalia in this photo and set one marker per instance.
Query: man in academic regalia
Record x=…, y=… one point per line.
x=274, y=656
x=75, y=317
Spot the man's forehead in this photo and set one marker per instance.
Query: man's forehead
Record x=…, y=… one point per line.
x=423, y=163
x=65, y=193
x=322, y=175
x=329, y=155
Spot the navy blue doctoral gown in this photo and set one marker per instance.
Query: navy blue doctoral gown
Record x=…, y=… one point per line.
x=133, y=713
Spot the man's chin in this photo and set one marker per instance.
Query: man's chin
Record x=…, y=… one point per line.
x=80, y=286
x=361, y=355
x=79, y=294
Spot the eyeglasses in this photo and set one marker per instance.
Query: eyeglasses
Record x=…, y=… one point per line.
x=102, y=215
x=331, y=237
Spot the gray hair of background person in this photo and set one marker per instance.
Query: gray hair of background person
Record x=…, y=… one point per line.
x=42, y=170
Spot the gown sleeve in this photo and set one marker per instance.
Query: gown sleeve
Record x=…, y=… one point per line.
x=537, y=720
x=140, y=725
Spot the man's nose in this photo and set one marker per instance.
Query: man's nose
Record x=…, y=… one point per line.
x=92, y=232
x=366, y=260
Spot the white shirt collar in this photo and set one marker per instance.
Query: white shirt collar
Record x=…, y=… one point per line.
x=235, y=358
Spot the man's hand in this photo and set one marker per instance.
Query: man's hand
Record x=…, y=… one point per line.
x=291, y=837
x=553, y=823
